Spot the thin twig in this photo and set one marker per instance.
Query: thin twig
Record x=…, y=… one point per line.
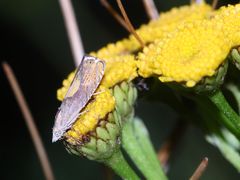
x=129, y=23
x=214, y=4
x=171, y=142
x=115, y=14
x=72, y=31
x=196, y=1
x=42, y=155
x=151, y=9
x=107, y=173
x=200, y=170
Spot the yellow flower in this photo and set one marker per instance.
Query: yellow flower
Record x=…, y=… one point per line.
x=156, y=29
x=170, y=20
x=118, y=69
x=92, y=114
x=194, y=50
x=66, y=83
x=229, y=16
x=121, y=65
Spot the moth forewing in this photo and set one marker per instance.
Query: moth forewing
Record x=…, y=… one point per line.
x=85, y=82
x=74, y=86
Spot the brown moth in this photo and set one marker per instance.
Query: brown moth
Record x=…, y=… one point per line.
x=87, y=78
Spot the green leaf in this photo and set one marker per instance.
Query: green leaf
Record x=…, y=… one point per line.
x=227, y=150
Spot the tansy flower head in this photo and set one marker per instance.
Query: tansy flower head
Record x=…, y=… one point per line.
x=119, y=69
x=229, y=16
x=97, y=132
x=193, y=51
x=97, y=109
x=100, y=105
x=156, y=29
x=170, y=20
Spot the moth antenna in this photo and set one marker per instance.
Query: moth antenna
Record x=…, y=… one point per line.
x=214, y=4
x=196, y=1
x=151, y=9
x=200, y=170
x=36, y=138
x=107, y=173
x=115, y=14
x=130, y=26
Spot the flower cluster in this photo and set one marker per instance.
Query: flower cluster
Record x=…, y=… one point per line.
x=193, y=51
x=189, y=45
x=185, y=45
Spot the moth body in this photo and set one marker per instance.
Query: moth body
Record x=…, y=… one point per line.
x=87, y=78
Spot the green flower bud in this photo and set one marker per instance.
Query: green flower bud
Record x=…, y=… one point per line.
x=235, y=57
x=211, y=84
x=125, y=95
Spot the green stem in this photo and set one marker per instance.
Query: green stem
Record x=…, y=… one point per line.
x=231, y=119
x=144, y=141
x=121, y=167
x=210, y=115
x=142, y=157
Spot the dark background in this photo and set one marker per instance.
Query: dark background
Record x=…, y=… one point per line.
x=33, y=41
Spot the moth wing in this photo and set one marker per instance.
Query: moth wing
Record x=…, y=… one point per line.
x=75, y=84
x=87, y=78
x=66, y=108
x=93, y=71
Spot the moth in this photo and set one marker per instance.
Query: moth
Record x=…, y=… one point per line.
x=85, y=82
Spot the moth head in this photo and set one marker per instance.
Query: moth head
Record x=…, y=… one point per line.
x=57, y=134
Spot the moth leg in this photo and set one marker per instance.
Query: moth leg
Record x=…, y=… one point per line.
x=85, y=111
x=73, y=139
x=96, y=93
x=70, y=123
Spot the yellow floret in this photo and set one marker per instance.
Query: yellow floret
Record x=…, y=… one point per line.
x=156, y=29
x=170, y=20
x=102, y=104
x=230, y=17
x=194, y=50
x=118, y=69
x=191, y=52
x=66, y=83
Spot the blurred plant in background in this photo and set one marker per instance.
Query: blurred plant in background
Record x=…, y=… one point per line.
x=183, y=57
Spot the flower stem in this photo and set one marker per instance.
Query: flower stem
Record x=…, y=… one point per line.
x=139, y=148
x=231, y=119
x=121, y=167
x=143, y=139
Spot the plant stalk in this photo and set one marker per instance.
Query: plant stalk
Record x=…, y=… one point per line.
x=231, y=119
x=140, y=150
x=118, y=163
